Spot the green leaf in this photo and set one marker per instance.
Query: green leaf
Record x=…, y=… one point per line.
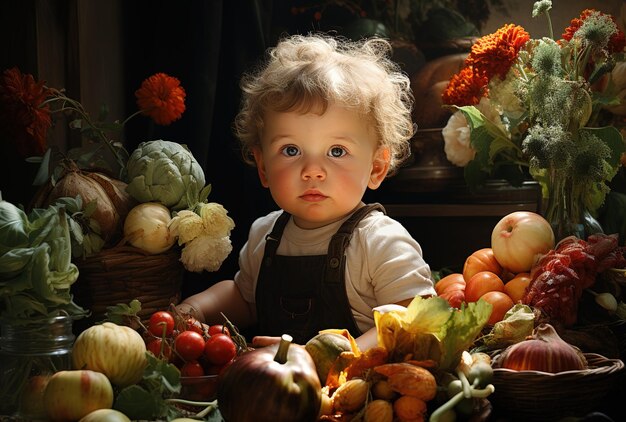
x=121, y=313
x=474, y=175
x=137, y=403
x=14, y=227
x=204, y=193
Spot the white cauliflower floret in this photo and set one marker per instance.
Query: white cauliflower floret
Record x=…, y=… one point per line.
x=186, y=225
x=205, y=253
x=217, y=223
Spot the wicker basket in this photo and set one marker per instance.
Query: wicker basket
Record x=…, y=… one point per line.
x=541, y=396
x=123, y=273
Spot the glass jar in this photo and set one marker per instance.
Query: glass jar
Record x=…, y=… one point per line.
x=566, y=211
x=29, y=354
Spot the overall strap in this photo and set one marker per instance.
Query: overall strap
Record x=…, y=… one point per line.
x=272, y=240
x=341, y=239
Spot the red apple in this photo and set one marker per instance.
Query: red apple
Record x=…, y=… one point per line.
x=31, y=399
x=519, y=239
x=70, y=395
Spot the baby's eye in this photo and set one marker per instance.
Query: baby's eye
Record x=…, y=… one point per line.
x=337, y=152
x=290, y=151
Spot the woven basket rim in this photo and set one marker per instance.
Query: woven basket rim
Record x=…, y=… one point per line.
x=598, y=364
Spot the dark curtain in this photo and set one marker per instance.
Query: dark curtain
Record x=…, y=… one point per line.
x=207, y=45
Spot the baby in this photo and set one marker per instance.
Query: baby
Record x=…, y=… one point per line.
x=323, y=120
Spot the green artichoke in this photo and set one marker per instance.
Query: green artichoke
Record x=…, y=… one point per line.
x=165, y=172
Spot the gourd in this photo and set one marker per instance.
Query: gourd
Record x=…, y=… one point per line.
x=105, y=415
x=117, y=351
x=277, y=383
x=428, y=84
x=324, y=349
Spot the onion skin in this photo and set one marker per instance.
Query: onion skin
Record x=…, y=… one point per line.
x=256, y=387
x=545, y=351
x=113, y=203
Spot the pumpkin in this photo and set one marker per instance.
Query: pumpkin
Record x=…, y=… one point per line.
x=273, y=384
x=117, y=351
x=324, y=348
x=428, y=84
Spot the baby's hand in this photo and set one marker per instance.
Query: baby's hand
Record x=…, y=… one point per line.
x=262, y=341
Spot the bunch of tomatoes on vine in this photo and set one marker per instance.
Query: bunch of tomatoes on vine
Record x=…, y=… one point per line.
x=196, y=349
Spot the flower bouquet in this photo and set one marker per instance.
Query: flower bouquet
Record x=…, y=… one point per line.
x=534, y=107
x=120, y=206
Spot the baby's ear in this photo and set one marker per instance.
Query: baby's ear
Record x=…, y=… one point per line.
x=260, y=166
x=380, y=167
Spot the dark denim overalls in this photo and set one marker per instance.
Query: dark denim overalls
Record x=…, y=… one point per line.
x=301, y=295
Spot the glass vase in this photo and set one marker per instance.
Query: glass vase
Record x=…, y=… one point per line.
x=566, y=212
x=29, y=354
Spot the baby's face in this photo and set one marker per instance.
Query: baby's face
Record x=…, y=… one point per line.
x=318, y=167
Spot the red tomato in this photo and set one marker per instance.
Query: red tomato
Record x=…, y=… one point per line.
x=192, y=369
x=500, y=302
x=454, y=281
x=189, y=345
x=218, y=329
x=481, y=260
x=192, y=324
x=481, y=283
x=154, y=346
x=219, y=349
x=161, y=323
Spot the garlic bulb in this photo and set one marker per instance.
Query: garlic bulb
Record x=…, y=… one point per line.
x=544, y=351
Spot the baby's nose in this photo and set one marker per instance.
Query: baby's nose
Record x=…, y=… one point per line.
x=313, y=170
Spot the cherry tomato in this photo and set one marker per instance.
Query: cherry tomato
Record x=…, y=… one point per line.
x=192, y=369
x=154, y=346
x=219, y=349
x=160, y=321
x=189, y=345
x=192, y=324
x=218, y=329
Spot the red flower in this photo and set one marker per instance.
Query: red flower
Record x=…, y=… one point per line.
x=465, y=88
x=617, y=41
x=161, y=98
x=494, y=54
x=23, y=121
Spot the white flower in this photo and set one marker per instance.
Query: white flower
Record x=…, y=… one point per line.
x=504, y=94
x=186, y=225
x=456, y=135
x=205, y=253
x=216, y=221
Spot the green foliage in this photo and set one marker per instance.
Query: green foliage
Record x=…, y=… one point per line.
x=36, y=271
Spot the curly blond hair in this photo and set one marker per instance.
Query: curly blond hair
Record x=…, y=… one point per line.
x=303, y=72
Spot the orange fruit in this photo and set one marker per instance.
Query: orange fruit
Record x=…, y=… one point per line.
x=516, y=287
x=481, y=283
x=481, y=260
x=500, y=302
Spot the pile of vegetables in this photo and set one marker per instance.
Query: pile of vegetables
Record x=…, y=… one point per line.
x=419, y=355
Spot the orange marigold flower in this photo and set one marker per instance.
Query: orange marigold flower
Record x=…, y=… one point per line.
x=465, y=88
x=161, y=98
x=23, y=120
x=494, y=54
x=617, y=41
